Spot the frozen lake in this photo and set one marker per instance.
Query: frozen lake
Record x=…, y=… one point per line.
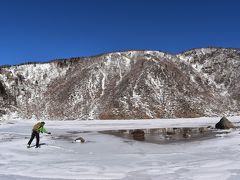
x=109, y=156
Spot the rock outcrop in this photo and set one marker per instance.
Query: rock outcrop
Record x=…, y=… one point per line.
x=224, y=123
x=138, y=134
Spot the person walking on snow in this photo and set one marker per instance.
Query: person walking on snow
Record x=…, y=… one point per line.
x=37, y=128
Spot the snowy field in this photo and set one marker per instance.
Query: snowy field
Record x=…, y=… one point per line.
x=106, y=156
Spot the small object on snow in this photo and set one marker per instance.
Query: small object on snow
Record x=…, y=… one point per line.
x=80, y=139
x=224, y=123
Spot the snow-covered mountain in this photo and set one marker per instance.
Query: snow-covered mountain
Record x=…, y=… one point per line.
x=125, y=85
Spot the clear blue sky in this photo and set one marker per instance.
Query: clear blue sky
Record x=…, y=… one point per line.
x=41, y=30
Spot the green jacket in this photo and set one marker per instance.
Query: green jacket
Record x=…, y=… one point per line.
x=39, y=128
x=42, y=130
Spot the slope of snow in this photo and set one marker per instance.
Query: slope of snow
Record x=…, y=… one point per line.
x=108, y=157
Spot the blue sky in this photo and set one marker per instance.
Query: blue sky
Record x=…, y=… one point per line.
x=41, y=30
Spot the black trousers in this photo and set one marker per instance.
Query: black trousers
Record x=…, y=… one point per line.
x=34, y=134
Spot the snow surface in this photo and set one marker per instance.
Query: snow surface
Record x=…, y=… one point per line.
x=106, y=156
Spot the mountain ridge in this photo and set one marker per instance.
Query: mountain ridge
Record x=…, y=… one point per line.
x=125, y=85
x=110, y=52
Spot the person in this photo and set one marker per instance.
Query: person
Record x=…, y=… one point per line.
x=37, y=128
